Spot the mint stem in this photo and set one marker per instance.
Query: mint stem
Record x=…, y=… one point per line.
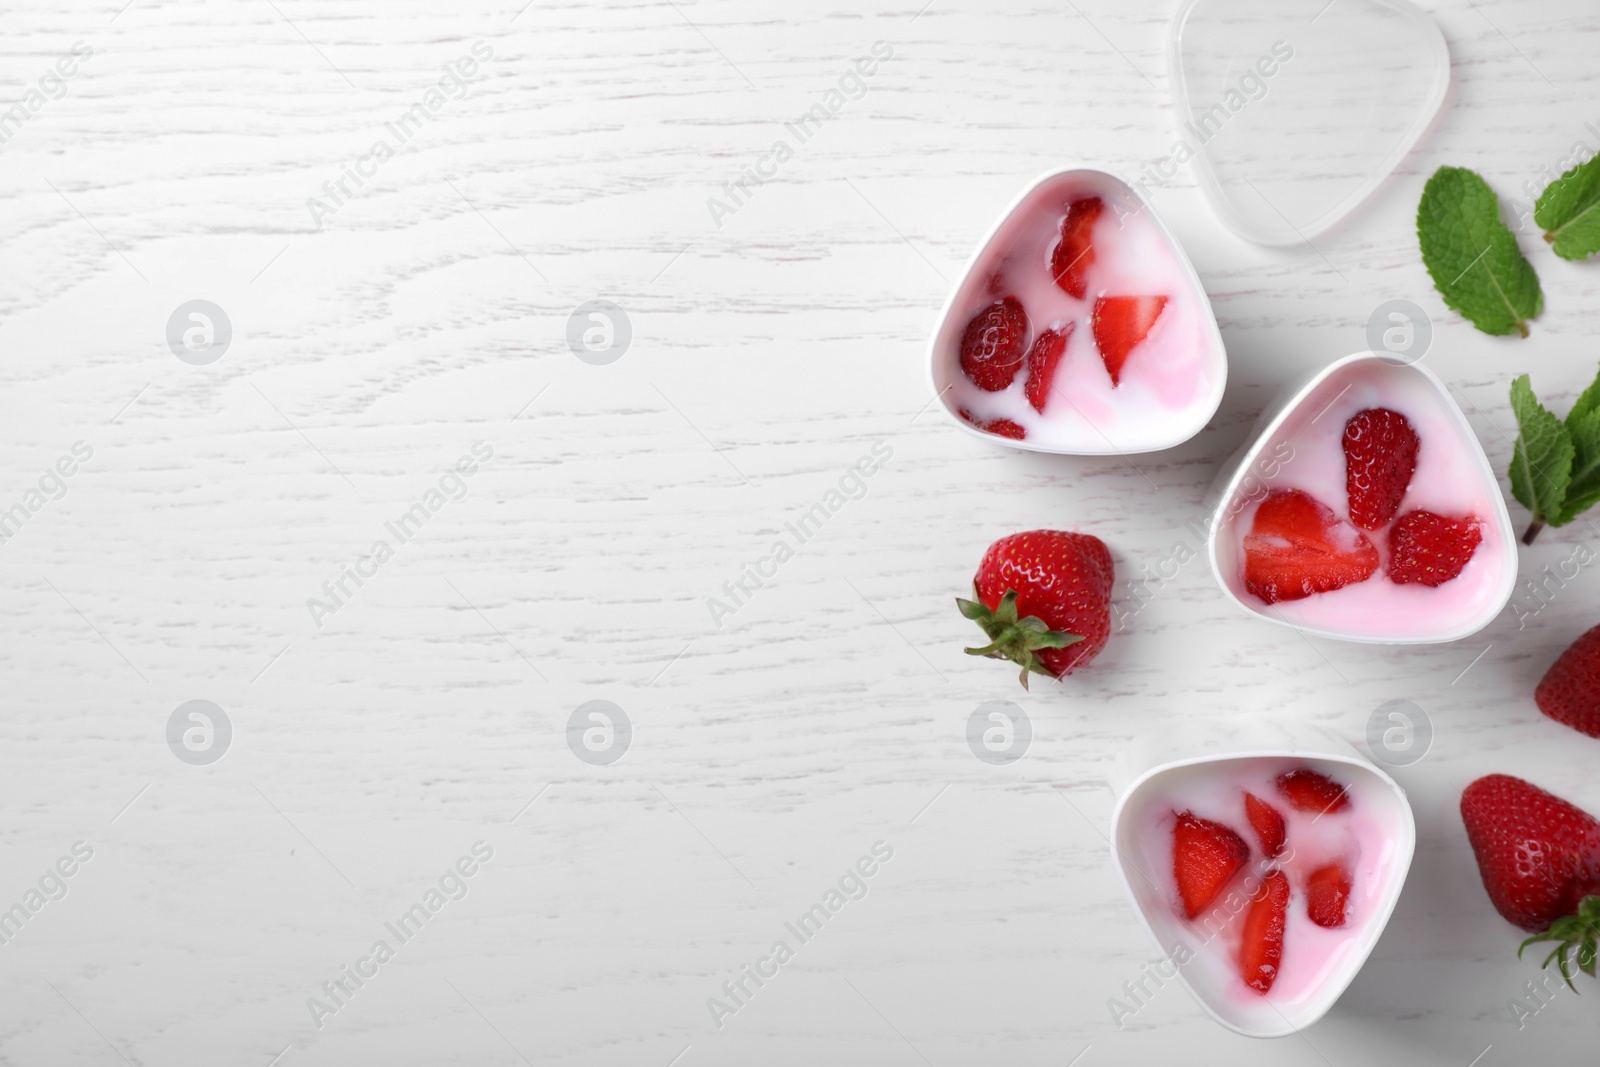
x=1533, y=531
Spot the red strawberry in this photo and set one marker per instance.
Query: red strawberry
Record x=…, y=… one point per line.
x=1327, y=894
x=1261, y=949
x=1120, y=323
x=999, y=427
x=1072, y=255
x=1380, y=455
x=1569, y=692
x=992, y=347
x=1044, y=600
x=1043, y=358
x=1205, y=857
x=1297, y=547
x=1307, y=790
x=1266, y=821
x=1540, y=861
x=1431, y=549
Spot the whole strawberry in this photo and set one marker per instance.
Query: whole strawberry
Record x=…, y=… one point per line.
x=1540, y=861
x=1569, y=692
x=1044, y=600
x=1380, y=453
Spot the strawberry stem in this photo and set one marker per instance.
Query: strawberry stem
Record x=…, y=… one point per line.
x=1016, y=639
x=1577, y=938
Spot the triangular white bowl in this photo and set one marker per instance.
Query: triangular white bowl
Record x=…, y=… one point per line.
x=1210, y=977
x=1261, y=466
x=1296, y=111
x=944, y=350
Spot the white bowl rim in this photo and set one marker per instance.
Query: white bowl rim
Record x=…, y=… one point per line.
x=1407, y=851
x=1210, y=184
x=993, y=231
x=1501, y=518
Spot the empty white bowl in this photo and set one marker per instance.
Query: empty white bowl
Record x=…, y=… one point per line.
x=1197, y=950
x=1299, y=447
x=1099, y=419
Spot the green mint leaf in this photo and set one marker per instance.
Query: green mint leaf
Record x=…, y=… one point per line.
x=1568, y=211
x=1583, y=428
x=1471, y=255
x=1584, y=492
x=1589, y=401
x=1541, y=462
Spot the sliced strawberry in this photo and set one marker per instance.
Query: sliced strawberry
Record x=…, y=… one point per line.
x=1072, y=255
x=1043, y=358
x=1327, y=893
x=1205, y=857
x=1261, y=950
x=1431, y=549
x=993, y=344
x=1267, y=822
x=1380, y=455
x=1120, y=324
x=1307, y=790
x=1298, y=546
x=999, y=427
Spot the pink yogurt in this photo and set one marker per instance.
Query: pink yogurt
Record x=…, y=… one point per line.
x=1451, y=479
x=1365, y=836
x=1171, y=383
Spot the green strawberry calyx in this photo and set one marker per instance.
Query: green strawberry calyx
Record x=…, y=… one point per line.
x=1576, y=938
x=1018, y=640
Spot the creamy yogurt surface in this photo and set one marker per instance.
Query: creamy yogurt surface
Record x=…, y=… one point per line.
x=1365, y=837
x=1449, y=480
x=1170, y=384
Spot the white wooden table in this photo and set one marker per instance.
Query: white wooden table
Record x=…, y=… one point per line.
x=378, y=335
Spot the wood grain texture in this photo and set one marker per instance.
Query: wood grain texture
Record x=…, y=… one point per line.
x=769, y=353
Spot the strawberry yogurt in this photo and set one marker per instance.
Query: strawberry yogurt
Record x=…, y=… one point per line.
x=1366, y=838
x=1155, y=328
x=1451, y=479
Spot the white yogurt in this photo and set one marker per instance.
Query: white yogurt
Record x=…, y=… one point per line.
x=1449, y=481
x=1171, y=383
x=1365, y=837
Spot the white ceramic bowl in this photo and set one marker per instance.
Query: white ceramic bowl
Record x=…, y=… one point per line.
x=1261, y=465
x=944, y=350
x=1153, y=774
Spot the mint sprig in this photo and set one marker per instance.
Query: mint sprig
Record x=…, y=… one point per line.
x=1568, y=211
x=1555, y=466
x=1472, y=256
